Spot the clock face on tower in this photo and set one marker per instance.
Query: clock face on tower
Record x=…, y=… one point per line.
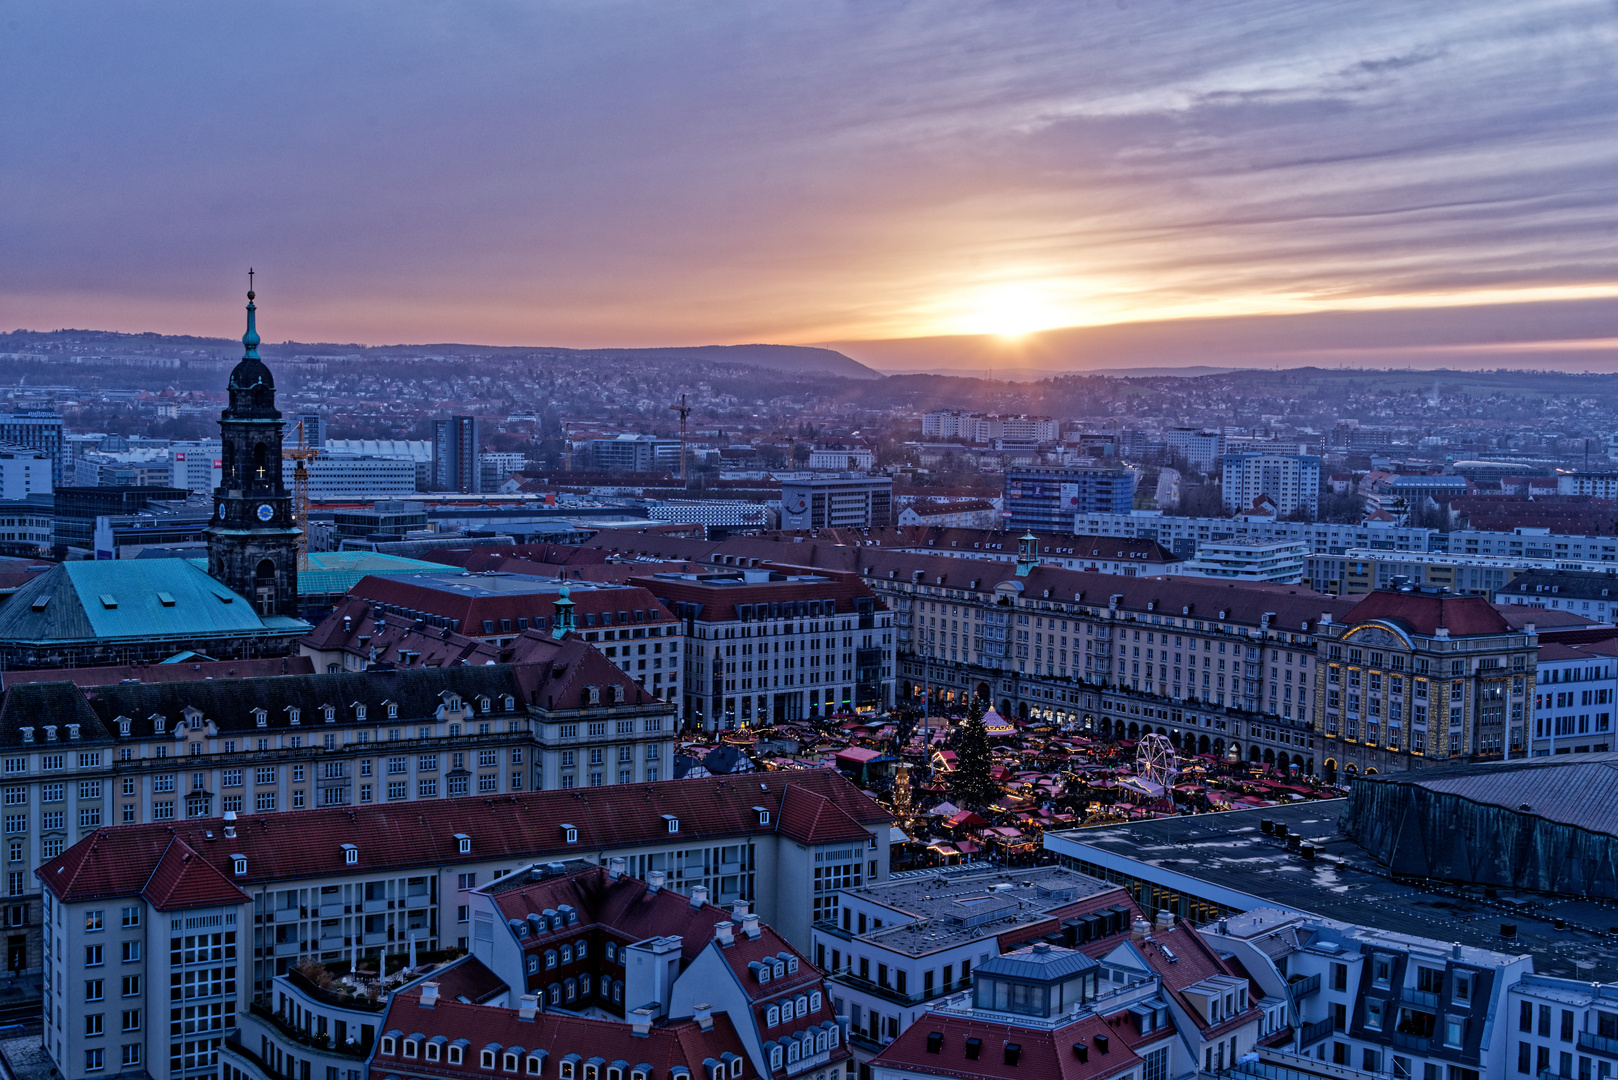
x=265, y=511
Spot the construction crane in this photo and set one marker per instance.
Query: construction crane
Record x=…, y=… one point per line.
x=300, y=492
x=684, y=410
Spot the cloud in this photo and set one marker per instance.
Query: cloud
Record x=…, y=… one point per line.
x=633, y=172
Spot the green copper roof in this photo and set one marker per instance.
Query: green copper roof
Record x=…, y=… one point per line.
x=129, y=598
x=338, y=571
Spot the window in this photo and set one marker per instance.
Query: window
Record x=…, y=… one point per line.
x=93, y=919
x=396, y=790
x=131, y=1053
x=95, y=1060
x=93, y=989
x=131, y=1020
x=131, y=951
x=262, y=775
x=130, y=986
x=92, y=956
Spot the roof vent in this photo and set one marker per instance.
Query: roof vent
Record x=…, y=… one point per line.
x=429, y=995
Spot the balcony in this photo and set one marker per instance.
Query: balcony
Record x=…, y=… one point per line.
x=1421, y=1044
x=888, y=993
x=1302, y=987
x=353, y=1050
x=1424, y=998
x=1310, y=1034
x=1598, y=1044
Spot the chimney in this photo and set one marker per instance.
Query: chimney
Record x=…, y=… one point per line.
x=1165, y=919
x=615, y=869
x=703, y=1015
x=738, y=909
x=641, y=1024
x=725, y=933
x=750, y=926
x=699, y=896
x=429, y=995
x=1527, y=628
x=230, y=824
x=1325, y=618
x=527, y=1006
x=1455, y=950
x=1139, y=929
x=654, y=881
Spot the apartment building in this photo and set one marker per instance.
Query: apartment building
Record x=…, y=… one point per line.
x=77, y=759
x=1202, y=449
x=1278, y=561
x=1291, y=481
x=1412, y=677
x=1183, y=534
x=769, y=645
x=891, y=948
x=1585, y=591
x=1370, y=1002
x=354, y=476
x=1559, y=1027
x=202, y=918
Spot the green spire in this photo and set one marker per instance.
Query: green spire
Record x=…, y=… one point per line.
x=250, y=339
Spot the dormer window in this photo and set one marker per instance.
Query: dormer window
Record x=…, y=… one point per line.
x=536, y=1064
x=592, y=695
x=432, y=1051
x=393, y=711
x=463, y=843
x=508, y=703
x=330, y=712
x=411, y=1047
x=351, y=854
x=772, y=1016
x=390, y=1045
x=294, y=715
x=456, y=1053
x=510, y=1062
x=238, y=865
x=123, y=728
x=486, y=1059
x=160, y=724
x=483, y=704
x=673, y=823
x=570, y=833
x=359, y=712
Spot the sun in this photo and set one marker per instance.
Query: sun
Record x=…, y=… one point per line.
x=1013, y=311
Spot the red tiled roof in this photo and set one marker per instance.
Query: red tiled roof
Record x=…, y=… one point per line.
x=557, y=1033
x=1462, y=616
x=719, y=601
x=296, y=844
x=811, y=818
x=183, y=879
x=1045, y=1054
x=470, y=610
x=151, y=673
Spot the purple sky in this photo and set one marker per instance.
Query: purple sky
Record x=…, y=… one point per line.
x=617, y=173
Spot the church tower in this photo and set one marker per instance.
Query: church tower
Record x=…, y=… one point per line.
x=253, y=543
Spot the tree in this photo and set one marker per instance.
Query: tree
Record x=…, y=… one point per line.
x=971, y=784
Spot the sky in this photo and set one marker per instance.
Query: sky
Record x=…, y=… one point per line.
x=610, y=172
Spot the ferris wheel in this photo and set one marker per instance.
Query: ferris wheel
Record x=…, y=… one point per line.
x=1155, y=760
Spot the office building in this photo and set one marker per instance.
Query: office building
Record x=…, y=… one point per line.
x=767, y=646
x=196, y=467
x=40, y=431
x=723, y=515
x=1291, y=481
x=347, y=477
x=633, y=453
x=28, y=528
x=24, y=472
x=157, y=525
x=1047, y=499
x=836, y=501
x=77, y=509
x=1410, y=678
x=390, y=519
x=456, y=443
x=313, y=427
